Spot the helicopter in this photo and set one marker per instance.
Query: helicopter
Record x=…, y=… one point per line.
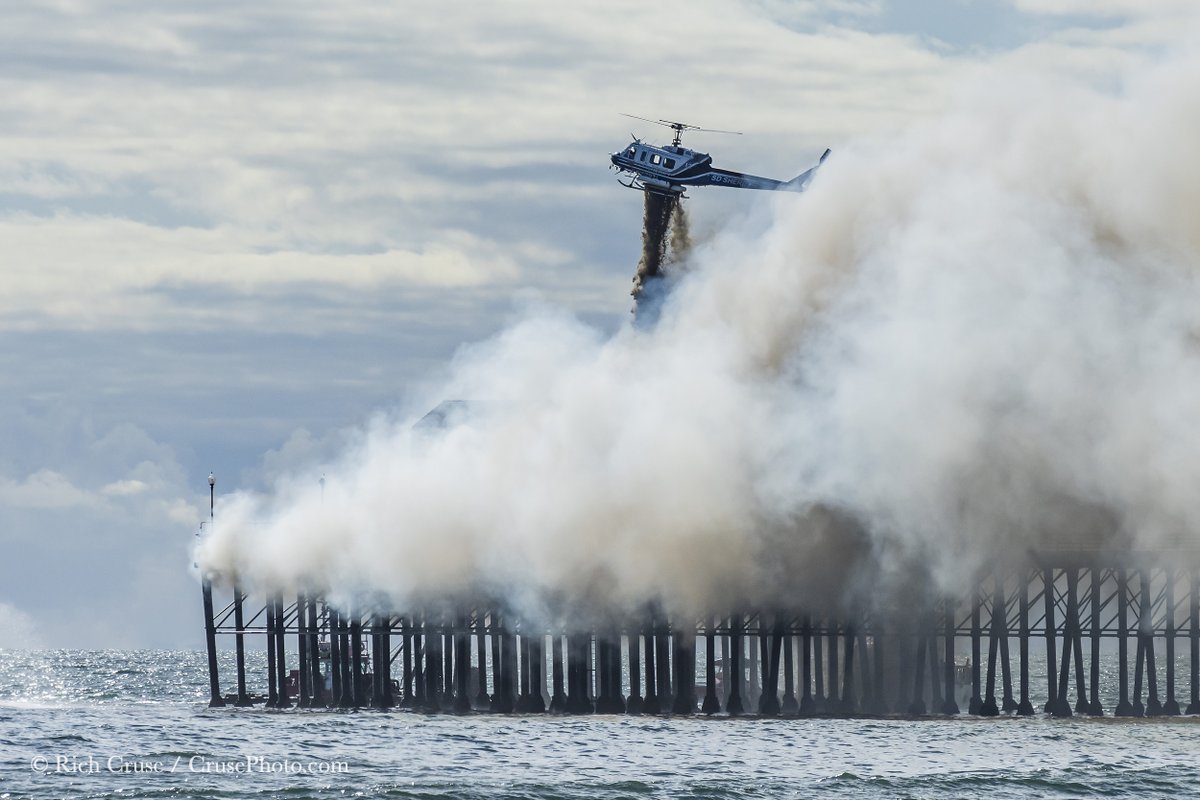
x=668, y=170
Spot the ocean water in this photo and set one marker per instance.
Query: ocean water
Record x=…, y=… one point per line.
x=135, y=725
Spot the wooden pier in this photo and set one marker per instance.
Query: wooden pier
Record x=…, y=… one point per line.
x=884, y=659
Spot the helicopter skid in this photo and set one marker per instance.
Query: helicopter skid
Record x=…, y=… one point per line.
x=662, y=189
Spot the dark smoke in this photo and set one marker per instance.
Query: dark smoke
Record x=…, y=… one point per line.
x=655, y=226
x=681, y=236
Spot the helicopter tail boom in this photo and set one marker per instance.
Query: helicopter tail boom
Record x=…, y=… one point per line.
x=738, y=180
x=723, y=177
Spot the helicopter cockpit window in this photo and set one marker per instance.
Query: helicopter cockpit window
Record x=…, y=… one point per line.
x=630, y=152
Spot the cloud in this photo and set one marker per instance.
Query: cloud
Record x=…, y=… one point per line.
x=177, y=148
x=57, y=281
x=1108, y=8
x=124, y=488
x=44, y=489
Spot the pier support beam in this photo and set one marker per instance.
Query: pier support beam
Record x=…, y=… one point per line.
x=789, y=705
x=1024, y=707
x=272, y=673
x=537, y=672
x=608, y=676
x=1153, y=707
x=849, y=700
x=215, y=700
x=1060, y=706
x=415, y=688
x=651, y=704
x=996, y=631
x=832, y=693
x=376, y=658
x=239, y=645
x=507, y=690
x=734, y=706
x=879, y=697
x=772, y=651
x=303, y=676
x=1049, y=596
x=818, y=657
x=662, y=659
x=462, y=668
x=316, y=680
x=482, y=699
x=685, y=671
x=433, y=667
x=1194, y=640
x=917, y=707
x=975, y=704
x=1171, y=707
x=356, y=659
x=936, y=698
x=1124, y=707
x=950, y=704
x=633, y=705
x=348, y=676
x=578, y=701
x=335, y=659
x=902, y=647
x=1095, y=708
x=712, y=704
x=280, y=654
x=524, y=679
x=807, y=704
x=558, y=699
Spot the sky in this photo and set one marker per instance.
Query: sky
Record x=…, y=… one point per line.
x=232, y=234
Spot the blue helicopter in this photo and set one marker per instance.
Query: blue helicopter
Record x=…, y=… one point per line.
x=668, y=170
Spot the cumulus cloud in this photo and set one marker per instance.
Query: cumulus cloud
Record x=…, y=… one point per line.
x=45, y=488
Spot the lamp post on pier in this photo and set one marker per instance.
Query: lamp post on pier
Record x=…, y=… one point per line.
x=210, y=628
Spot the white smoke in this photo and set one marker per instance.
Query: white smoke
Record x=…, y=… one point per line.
x=975, y=340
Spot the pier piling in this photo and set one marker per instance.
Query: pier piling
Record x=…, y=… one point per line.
x=867, y=660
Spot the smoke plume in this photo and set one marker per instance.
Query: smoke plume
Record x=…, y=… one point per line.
x=681, y=235
x=976, y=339
x=657, y=226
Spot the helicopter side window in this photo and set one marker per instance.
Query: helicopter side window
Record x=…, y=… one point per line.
x=670, y=163
x=642, y=157
x=656, y=159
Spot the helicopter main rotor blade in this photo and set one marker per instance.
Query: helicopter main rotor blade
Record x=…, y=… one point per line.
x=679, y=127
x=643, y=119
x=685, y=126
